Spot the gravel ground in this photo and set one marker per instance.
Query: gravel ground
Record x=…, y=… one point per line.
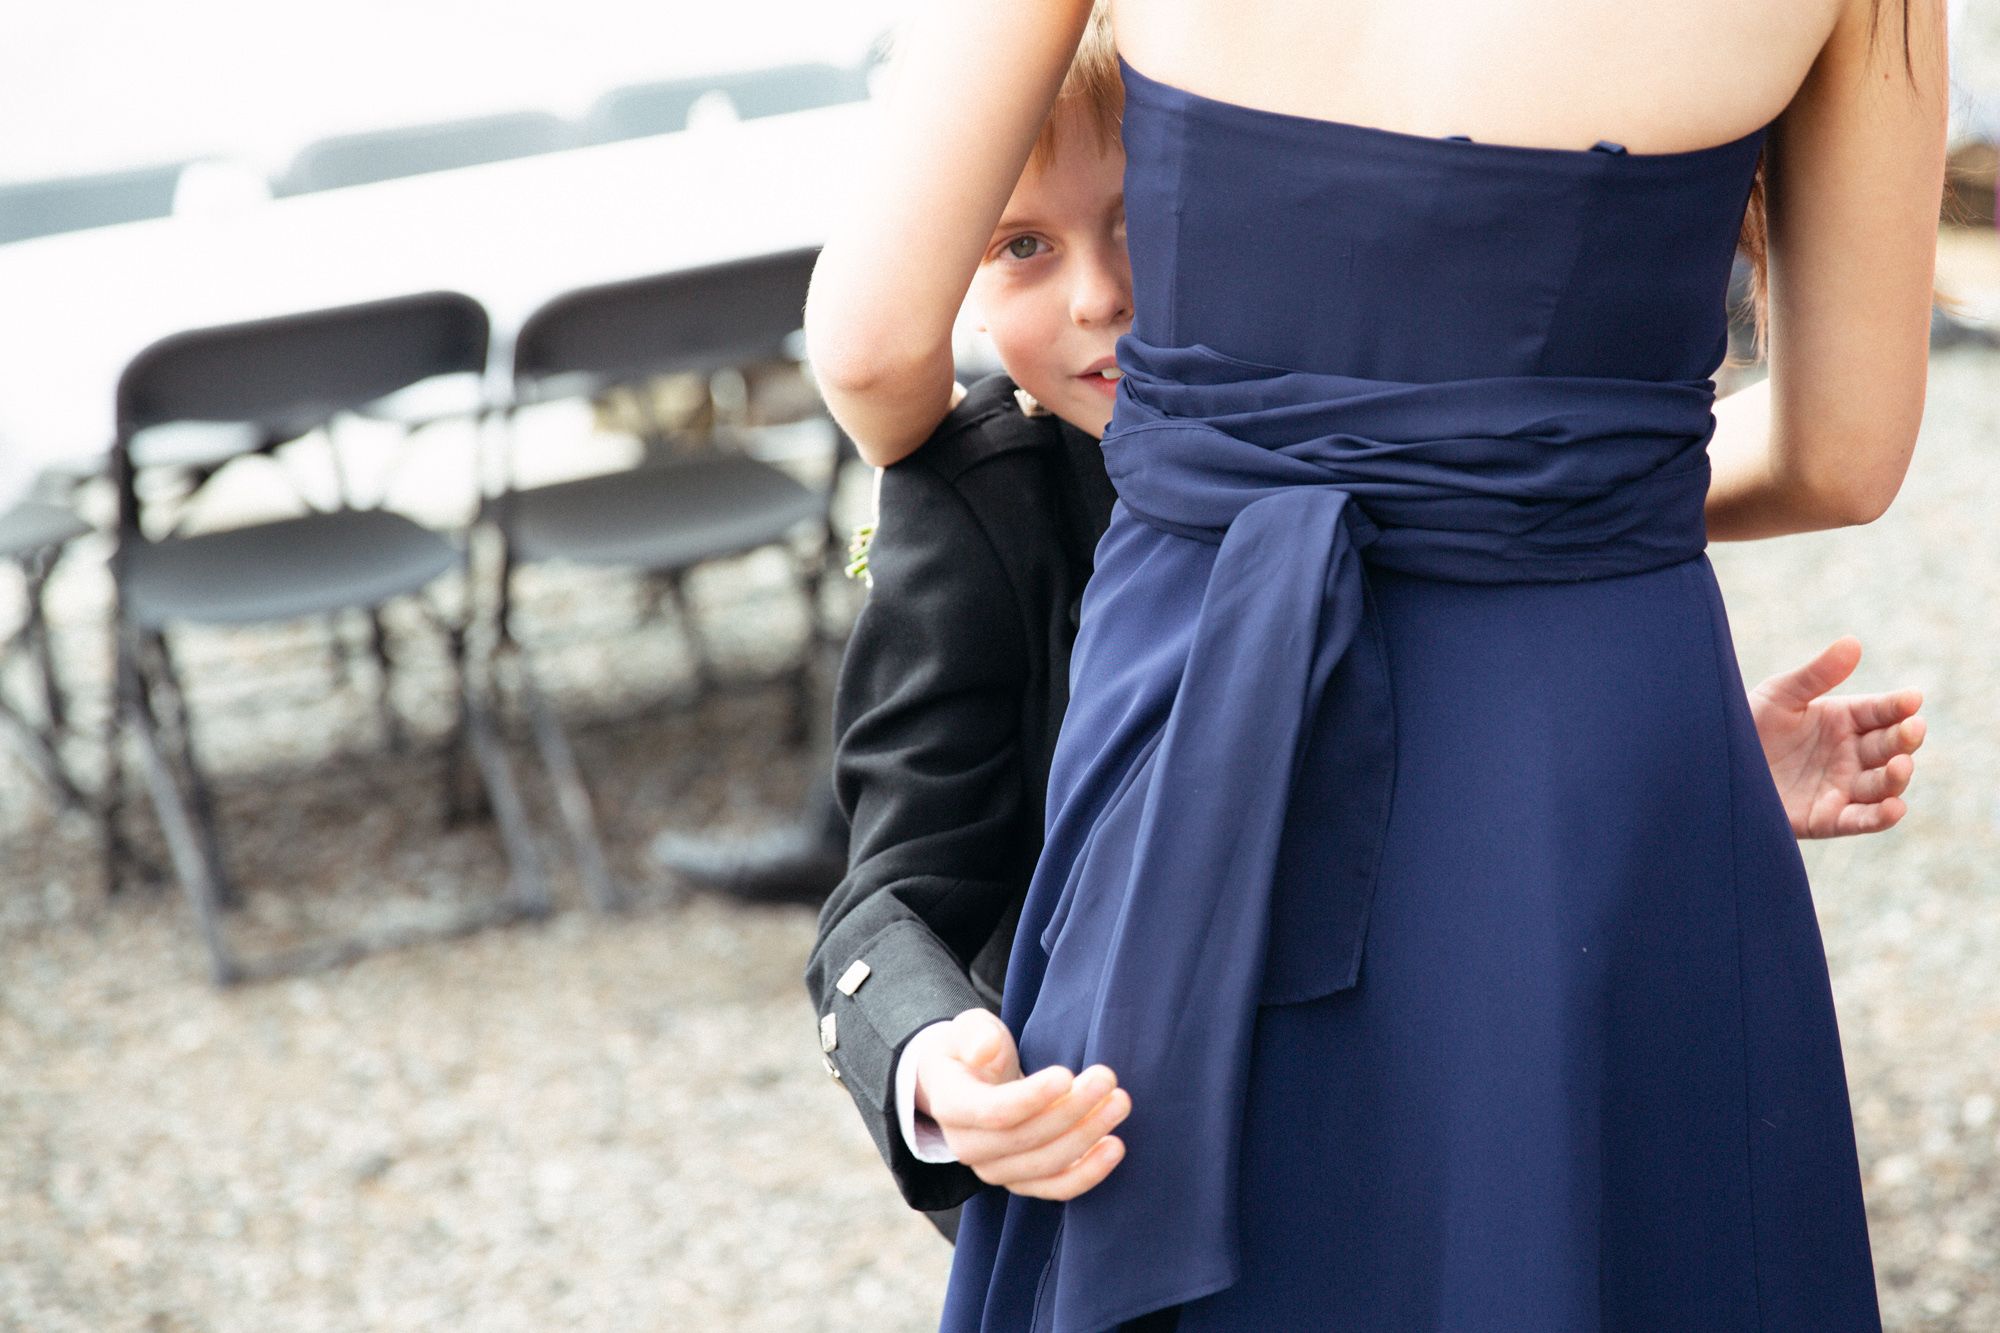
x=622, y=1123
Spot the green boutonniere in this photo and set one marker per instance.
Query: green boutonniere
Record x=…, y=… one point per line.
x=857, y=554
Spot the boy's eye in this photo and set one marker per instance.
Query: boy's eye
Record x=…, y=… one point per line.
x=1022, y=247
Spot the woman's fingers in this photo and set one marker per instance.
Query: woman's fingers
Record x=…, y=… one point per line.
x=1876, y=748
x=1056, y=1155
x=1878, y=784
x=1869, y=712
x=1801, y=685
x=1869, y=818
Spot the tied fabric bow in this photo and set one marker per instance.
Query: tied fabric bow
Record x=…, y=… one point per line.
x=1170, y=930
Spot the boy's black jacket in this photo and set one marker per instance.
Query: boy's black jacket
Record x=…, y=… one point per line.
x=945, y=717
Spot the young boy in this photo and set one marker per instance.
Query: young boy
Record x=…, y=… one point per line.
x=956, y=679
x=957, y=674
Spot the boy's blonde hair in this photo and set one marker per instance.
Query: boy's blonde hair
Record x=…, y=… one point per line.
x=1091, y=89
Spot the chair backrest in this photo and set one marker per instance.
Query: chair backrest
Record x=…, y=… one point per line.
x=302, y=367
x=695, y=320
x=643, y=109
x=413, y=150
x=48, y=207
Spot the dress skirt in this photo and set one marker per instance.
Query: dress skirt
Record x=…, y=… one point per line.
x=1590, y=1078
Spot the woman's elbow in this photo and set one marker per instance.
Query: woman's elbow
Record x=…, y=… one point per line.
x=1859, y=493
x=845, y=360
x=1862, y=506
x=856, y=348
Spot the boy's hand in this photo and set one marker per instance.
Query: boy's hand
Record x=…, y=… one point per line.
x=1841, y=765
x=1046, y=1136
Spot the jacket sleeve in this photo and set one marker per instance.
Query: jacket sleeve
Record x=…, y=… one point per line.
x=928, y=769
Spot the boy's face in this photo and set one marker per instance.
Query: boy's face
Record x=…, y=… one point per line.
x=1055, y=286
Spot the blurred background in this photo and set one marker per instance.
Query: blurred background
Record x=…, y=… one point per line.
x=494, y=1065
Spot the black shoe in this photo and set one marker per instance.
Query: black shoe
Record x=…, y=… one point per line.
x=780, y=865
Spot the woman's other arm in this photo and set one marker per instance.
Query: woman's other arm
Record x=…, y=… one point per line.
x=1854, y=173
x=972, y=83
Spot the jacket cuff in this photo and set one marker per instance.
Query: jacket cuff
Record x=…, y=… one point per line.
x=901, y=981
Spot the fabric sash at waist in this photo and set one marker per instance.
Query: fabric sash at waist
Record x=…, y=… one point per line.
x=1156, y=962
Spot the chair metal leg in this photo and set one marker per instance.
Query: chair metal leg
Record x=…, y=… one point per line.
x=193, y=842
x=201, y=794
x=657, y=592
x=704, y=669
x=378, y=643
x=529, y=888
x=40, y=741
x=117, y=853
x=41, y=646
x=339, y=672
x=572, y=796
x=811, y=573
x=41, y=755
x=184, y=843
x=460, y=807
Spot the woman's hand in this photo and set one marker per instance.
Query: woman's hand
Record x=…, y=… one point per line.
x=1840, y=765
x=1047, y=1136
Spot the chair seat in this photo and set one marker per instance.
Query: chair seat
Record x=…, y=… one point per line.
x=667, y=517
x=280, y=571
x=32, y=526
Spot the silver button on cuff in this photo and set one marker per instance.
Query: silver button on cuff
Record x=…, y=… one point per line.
x=831, y=1068
x=850, y=980
x=827, y=1037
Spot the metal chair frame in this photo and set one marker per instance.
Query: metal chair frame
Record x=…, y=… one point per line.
x=703, y=321
x=41, y=740
x=251, y=372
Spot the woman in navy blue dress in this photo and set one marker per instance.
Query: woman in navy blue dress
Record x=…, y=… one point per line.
x=1412, y=860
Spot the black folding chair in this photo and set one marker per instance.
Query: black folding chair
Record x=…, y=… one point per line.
x=665, y=517
x=415, y=150
x=48, y=207
x=311, y=365
x=33, y=536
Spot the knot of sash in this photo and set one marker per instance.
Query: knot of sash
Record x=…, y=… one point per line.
x=1157, y=961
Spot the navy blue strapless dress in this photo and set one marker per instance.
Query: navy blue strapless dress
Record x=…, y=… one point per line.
x=1411, y=855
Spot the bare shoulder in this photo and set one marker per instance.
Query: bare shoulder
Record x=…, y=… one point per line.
x=1660, y=77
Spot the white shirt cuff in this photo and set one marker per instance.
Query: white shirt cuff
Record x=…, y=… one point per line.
x=926, y=1141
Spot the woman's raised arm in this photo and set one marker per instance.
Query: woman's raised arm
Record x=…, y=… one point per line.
x=970, y=86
